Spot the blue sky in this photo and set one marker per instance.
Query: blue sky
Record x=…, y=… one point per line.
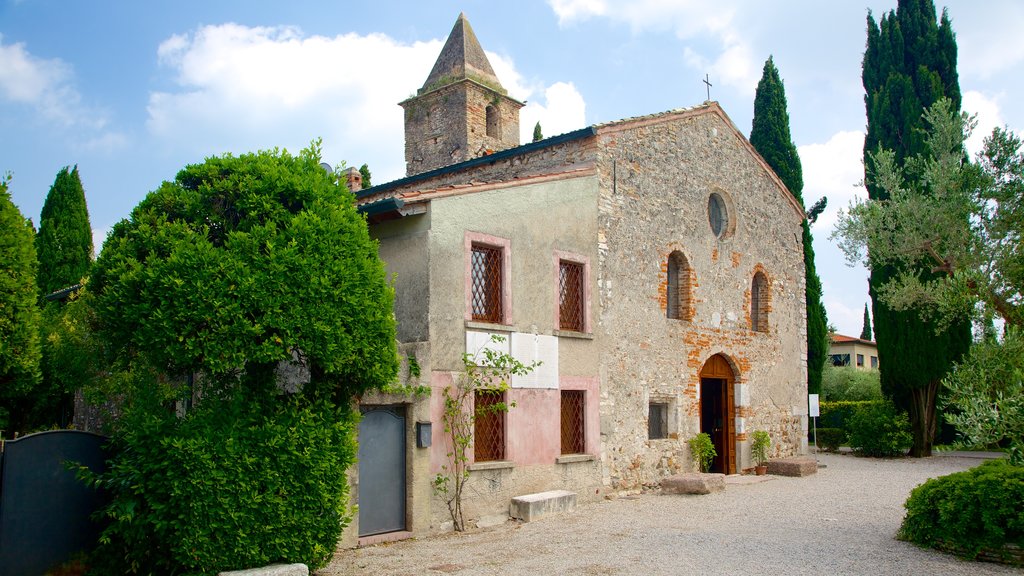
x=133, y=91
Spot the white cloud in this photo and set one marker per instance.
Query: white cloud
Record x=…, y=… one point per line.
x=47, y=85
x=988, y=115
x=245, y=88
x=563, y=111
x=569, y=10
x=833, y=169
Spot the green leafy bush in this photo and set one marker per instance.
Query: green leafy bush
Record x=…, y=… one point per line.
x=830, y=439
x=878, y=429
x=702, y=450
x=850, y=383
x=235, y=484
x=759, y=447
x=968, y=512
x=838, y=414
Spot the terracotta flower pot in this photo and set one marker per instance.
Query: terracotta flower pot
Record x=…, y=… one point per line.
x=761, y=470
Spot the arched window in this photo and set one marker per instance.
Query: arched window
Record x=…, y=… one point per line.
x=760, y=303
x=493, y=122
x=680, y=281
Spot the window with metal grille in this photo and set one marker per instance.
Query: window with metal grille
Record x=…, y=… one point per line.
x=572, y=422
x=485, y=272
x=759, y=304
x=657, y=420
x=570, y=296
x=489, y=426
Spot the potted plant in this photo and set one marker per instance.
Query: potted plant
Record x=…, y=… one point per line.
x=702, y=450
x=759, y=451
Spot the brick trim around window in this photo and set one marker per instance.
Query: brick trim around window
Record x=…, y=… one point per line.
x=583, y=264
x=503, y=245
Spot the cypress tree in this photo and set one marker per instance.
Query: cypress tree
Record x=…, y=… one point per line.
x=537, y=134
x=909, y=63
x=771, y=138
x=364, y=171
x=865, y=332
x=19, y=316
x=64, y=241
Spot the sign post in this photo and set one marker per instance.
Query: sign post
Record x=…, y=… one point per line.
x=813, y=411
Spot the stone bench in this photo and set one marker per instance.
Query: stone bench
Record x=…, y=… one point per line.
x=533, y=506
x=272, y=570
x=796, y=466
x=693, y=483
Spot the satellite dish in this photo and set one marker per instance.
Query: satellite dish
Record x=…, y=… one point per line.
x=327, y=167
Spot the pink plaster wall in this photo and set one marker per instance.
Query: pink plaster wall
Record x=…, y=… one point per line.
x=532, y=427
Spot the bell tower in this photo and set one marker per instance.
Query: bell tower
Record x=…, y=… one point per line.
x=462, y=111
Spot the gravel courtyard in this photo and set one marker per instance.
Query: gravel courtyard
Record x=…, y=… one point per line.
x=838, y=521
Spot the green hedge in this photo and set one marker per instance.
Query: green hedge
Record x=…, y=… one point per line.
x=236, y=484
x=970, y=512
x=837, y=414
x=830, y=439
x=879, y=430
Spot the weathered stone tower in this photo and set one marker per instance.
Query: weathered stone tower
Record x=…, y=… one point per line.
x=462, y=111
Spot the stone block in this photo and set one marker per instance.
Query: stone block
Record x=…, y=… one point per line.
x=272, y=570
x=796, y=466
x=693, y=483
x=533, y=506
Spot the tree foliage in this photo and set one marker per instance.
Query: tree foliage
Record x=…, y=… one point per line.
x=770, y=136
x=537, y=134
x=245, y=262
x=909, y=64
x=64, y=242
x=865, y=331
x=215, y=285
x=364, y=172
x=19, y=314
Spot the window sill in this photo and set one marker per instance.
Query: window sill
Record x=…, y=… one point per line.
x=492, y=465
x=570, y=458
x=571, y=334
x=488, y=326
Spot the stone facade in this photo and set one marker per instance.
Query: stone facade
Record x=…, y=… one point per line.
x=620, y=201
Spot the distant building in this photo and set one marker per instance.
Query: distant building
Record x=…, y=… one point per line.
x=850, y=351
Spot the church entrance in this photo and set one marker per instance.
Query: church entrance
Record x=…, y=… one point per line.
x=718, y=412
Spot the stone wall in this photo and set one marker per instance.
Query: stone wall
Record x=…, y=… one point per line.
x=656, y=178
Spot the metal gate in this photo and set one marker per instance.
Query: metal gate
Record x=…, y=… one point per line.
x=382, y=470
x=44, y=509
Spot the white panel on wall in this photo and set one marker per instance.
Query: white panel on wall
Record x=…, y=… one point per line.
x=528, y=348
x=477, y=341
x=744, y=395
x=741, y=425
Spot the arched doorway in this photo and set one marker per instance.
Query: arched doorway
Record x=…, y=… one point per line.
x=718, y=411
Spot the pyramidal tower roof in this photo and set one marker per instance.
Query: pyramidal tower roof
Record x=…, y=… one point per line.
x=462, y=58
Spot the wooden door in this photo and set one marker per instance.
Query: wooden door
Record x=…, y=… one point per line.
x=718, y=412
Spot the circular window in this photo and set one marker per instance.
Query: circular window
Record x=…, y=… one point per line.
x=718, y=217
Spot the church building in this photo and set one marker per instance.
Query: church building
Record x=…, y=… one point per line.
x=652, y=265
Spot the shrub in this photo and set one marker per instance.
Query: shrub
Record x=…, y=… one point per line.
x=838, y=414
x=235, y=484
x=702, y=450
x=968, y=512
x=830, y=439
x=850, y=383
x=759, y=447
x=878, y=429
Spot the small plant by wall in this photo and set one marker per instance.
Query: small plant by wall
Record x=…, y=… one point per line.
x=759, y=447
x=493, y=374
x=702, y=450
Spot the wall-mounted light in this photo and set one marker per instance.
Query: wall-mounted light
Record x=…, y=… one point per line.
x=423, y=434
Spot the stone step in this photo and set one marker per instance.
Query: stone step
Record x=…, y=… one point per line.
x=530, y=507
x=797, y=466
x=272, y=570
x=693, y=483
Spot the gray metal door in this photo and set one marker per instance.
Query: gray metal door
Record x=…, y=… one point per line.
x=381, y=470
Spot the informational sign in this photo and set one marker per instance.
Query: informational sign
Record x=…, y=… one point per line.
x=812, y=405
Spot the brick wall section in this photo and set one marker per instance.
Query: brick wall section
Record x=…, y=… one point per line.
x=655, y=179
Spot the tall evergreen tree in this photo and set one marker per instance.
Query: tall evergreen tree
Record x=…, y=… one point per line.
x=19, y=315
x=909, y=63
x=364, y=171
x=771, y=138
x=865, y=332
x=64, y=241
x=537, y=134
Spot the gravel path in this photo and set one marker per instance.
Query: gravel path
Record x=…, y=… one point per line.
x=838, y=521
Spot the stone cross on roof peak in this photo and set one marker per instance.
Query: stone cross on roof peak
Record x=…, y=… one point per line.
x=462, y=58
